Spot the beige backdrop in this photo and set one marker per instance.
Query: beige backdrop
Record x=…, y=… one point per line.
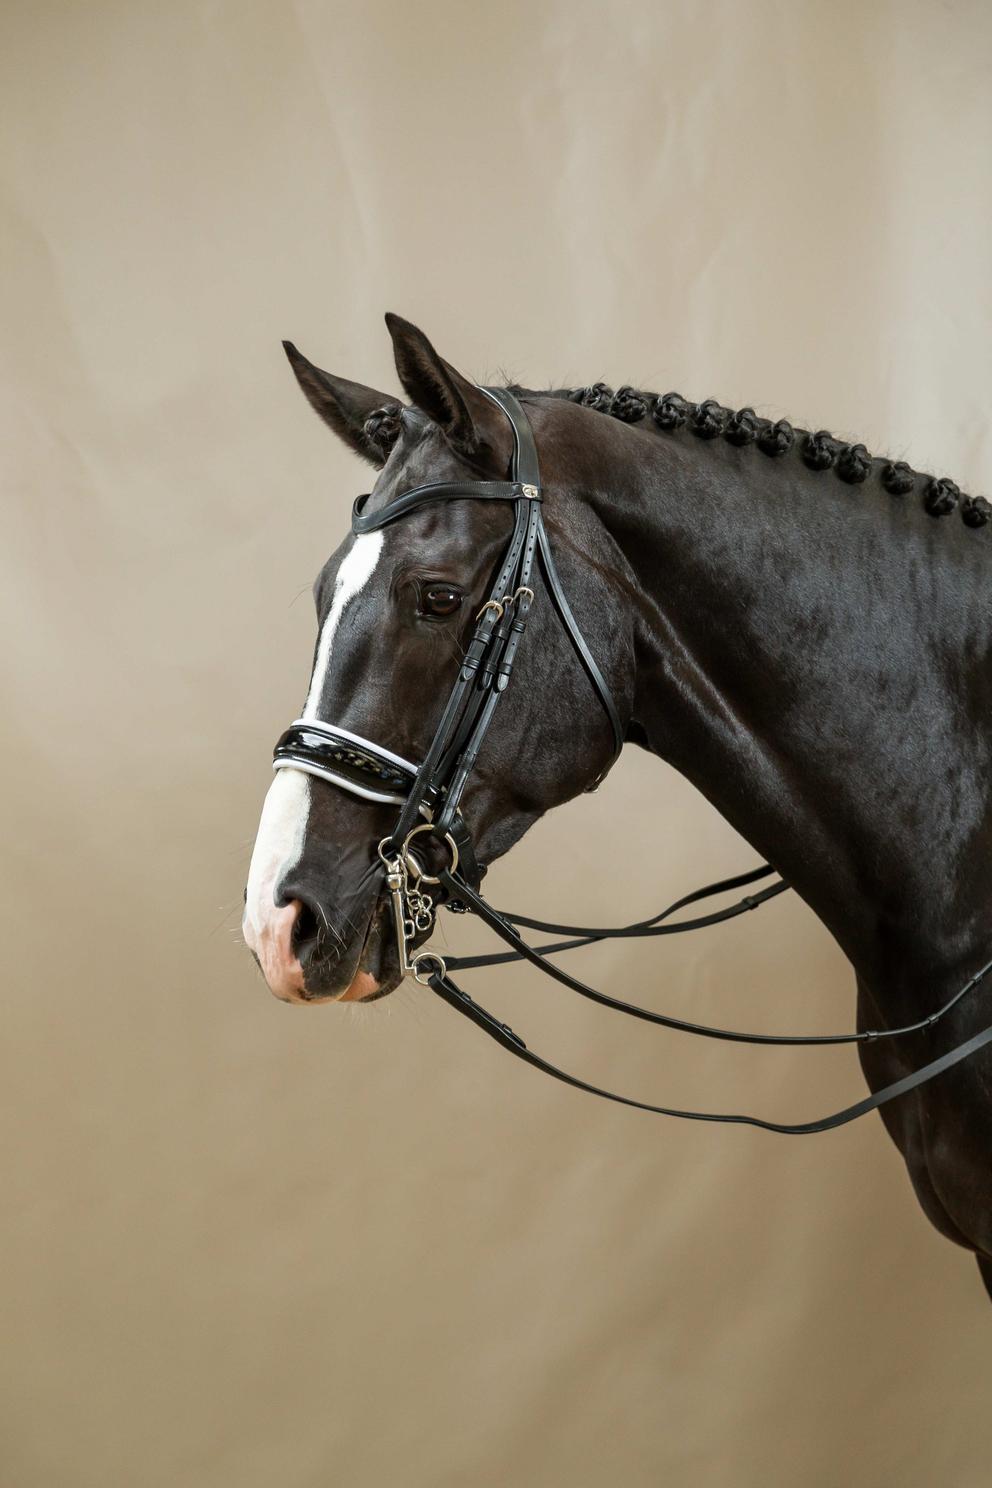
x=246, y=1244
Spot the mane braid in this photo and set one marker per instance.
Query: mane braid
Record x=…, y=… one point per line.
x=820, y=451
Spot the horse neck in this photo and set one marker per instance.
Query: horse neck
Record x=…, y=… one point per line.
x=815, y=658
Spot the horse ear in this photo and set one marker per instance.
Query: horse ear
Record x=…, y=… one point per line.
x=367, y=421
x=470, y=421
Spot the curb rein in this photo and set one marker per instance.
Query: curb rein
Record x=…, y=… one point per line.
x=429, y=796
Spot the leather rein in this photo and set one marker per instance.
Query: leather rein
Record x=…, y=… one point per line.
x=429, y=796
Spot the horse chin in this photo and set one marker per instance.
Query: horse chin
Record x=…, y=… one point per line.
x=362, y=988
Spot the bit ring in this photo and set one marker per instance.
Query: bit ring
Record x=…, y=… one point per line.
x=416, y=966
x=411, y=862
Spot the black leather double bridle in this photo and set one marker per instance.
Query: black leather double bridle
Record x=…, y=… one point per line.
x=429, y=796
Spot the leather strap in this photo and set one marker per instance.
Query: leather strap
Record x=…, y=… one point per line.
x=362, y=521
x=526, y=466
x=345, y=759
x=722, y=886
x=478, y=906
x=586, y=657
x=504, y=1035
x=466, y=700
x=647, y=928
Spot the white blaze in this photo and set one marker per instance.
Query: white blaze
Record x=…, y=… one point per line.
x=282, y=829
x=355, y=571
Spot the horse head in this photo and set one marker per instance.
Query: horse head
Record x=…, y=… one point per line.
x=396, y=606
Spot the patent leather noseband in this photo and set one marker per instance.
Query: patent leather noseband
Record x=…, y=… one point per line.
x=429, y=795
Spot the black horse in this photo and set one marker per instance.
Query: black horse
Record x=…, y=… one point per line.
x=801, y=629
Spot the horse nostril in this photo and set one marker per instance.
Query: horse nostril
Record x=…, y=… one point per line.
x=306, y=933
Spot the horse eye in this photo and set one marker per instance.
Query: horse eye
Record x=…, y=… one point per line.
x=440, y=599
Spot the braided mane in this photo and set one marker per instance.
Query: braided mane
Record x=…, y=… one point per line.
x=819, y=451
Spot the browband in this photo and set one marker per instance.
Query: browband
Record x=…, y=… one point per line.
x=437, y=491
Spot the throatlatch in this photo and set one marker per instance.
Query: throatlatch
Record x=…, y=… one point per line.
x=429, y=797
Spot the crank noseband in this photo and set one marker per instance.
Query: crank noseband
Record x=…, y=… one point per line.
x=346, y=760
